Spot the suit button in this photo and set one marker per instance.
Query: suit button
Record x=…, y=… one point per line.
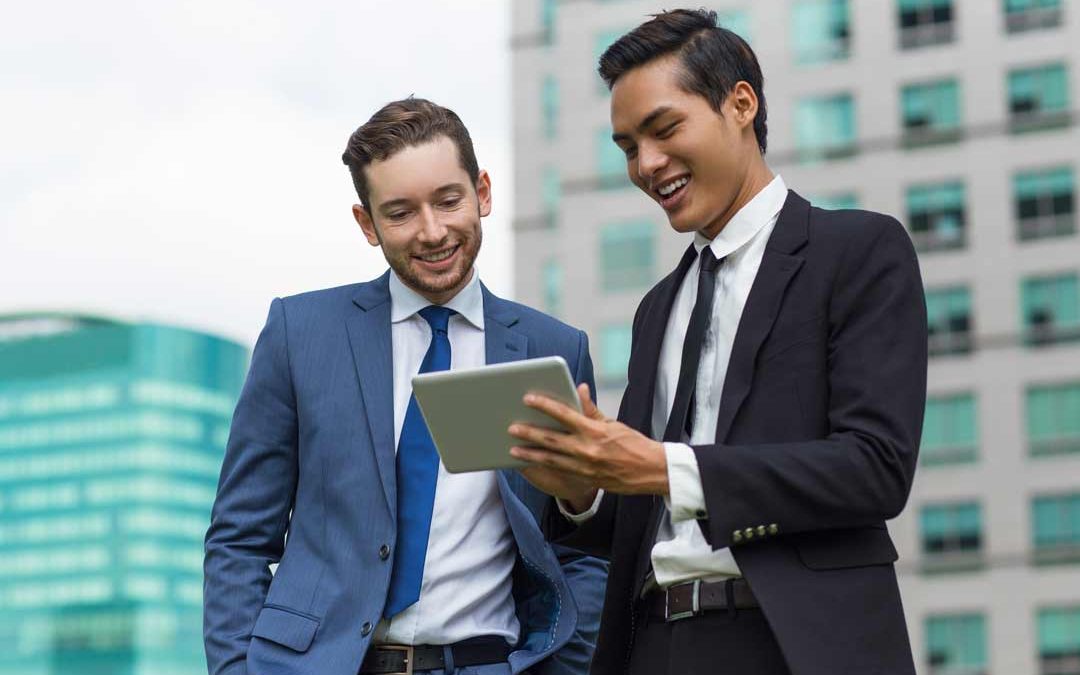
x=773, y=529
x=384, y=552
x=700, y=513
x=736, y=536
x=748, y=533
x=761, y=530
x=365, y=630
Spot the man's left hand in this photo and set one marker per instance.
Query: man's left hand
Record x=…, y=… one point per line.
x=603, y=452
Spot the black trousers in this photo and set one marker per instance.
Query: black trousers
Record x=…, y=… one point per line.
x=722, y=642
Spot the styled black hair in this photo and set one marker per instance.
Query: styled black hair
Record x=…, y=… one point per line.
x=713, y=58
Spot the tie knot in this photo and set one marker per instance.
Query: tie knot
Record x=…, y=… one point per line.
x=709, y=262
x=437, y=316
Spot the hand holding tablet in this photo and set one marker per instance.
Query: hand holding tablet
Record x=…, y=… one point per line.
x=468, y=411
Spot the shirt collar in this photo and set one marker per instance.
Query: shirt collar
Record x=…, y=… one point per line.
x=748, y=221
x=469, y=301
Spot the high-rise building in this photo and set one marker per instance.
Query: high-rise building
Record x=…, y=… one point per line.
x=959, y=117
x=111, y=441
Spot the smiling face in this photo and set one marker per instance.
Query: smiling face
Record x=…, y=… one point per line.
x=700, y=166
x=425, y=214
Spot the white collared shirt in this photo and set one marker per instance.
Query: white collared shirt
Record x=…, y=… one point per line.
x=466, y=589
x=681, y=552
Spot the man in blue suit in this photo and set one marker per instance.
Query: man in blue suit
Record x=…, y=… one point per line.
x=391, y=564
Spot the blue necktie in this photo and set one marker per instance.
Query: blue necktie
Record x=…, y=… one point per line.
x=417, y=473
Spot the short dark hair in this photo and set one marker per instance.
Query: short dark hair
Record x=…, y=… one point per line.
x=403, y=124
x=713, y=58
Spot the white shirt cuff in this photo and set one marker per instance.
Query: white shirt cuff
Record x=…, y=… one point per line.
x=579, y=518
x=686, y=496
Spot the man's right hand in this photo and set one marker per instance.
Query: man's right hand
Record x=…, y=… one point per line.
x=574, y=491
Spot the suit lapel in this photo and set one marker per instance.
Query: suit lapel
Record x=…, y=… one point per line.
x=778, y=267
x=644, y=364
x=501, y=345
x=372, y=347
x=646, y=357
x=501, y=342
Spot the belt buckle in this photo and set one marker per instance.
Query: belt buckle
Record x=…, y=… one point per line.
x=408, y=651
x=695, y=604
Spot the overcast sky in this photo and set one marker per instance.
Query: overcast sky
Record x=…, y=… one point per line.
x=180, y=161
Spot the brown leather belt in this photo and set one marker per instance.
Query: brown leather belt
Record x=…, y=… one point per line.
x=406, y=659
x=694, y=598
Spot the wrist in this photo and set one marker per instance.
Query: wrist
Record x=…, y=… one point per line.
x=663, y=484
x=581, y=503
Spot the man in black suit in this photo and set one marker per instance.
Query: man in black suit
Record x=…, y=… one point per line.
x=781, y=370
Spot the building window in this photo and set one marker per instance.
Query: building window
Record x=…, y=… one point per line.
x=1053, y=419
x=601, y=42
x=614, y=354
x=547, y=19
x=950, y=431
x=925, y=22
x=550, y=105
x=551, y=192
x=736, y=21
x=949, y=315
x=821, y=30
x=627, y=251
x=951, y=535
x=1022, y=15
x=1056, y=527
x=610, y=162
x=1059, y=640
x=553, y=287
x=836, y=200
x=1051, y=307
x=1045, y=203
x=1038, y=98
x=825, y=127
x=956, y=644
x=936, y=215
x=931, y=112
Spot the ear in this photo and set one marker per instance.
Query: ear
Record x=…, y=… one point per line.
x=366, y=224
x=743, y=104
x=483, y=192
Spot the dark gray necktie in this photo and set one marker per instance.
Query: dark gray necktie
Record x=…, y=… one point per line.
x=681, y=418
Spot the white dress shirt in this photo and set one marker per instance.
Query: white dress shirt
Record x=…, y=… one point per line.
x=466, y=588
x=681, y=552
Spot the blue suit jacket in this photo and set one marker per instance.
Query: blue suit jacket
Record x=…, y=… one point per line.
x=311, y=453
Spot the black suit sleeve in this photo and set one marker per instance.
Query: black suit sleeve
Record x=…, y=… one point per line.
x=861, y=472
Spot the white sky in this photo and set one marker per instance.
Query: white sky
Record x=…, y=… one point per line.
x=180, y=161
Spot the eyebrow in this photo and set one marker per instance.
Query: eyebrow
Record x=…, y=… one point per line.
x=645, y=123
x=394, y=203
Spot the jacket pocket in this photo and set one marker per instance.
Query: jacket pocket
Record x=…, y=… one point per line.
x=839, y=549
x=285, y=627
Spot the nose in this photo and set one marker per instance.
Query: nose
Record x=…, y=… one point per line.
x=432, y=229
x=650, y=162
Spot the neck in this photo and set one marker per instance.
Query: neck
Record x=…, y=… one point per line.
x=758, y=176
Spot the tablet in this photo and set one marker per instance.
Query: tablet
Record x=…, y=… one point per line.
x=468, y=411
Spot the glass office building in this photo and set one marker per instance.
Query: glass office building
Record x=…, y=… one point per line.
x=111, y=440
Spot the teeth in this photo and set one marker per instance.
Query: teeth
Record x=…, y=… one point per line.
x=436, y=257
x=673, y=186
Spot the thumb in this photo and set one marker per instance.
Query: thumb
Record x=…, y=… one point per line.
x=588, y=408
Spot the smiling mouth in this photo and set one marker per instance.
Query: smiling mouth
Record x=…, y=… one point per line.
x=438, y=256
x=670, y=191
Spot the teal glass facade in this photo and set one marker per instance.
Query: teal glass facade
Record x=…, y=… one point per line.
x=111, y=440
x=950, y=430
x=956, y=644
x=820, y=30
x=825, y=127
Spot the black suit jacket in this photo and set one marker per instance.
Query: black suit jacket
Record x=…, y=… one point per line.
x=816, y=444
